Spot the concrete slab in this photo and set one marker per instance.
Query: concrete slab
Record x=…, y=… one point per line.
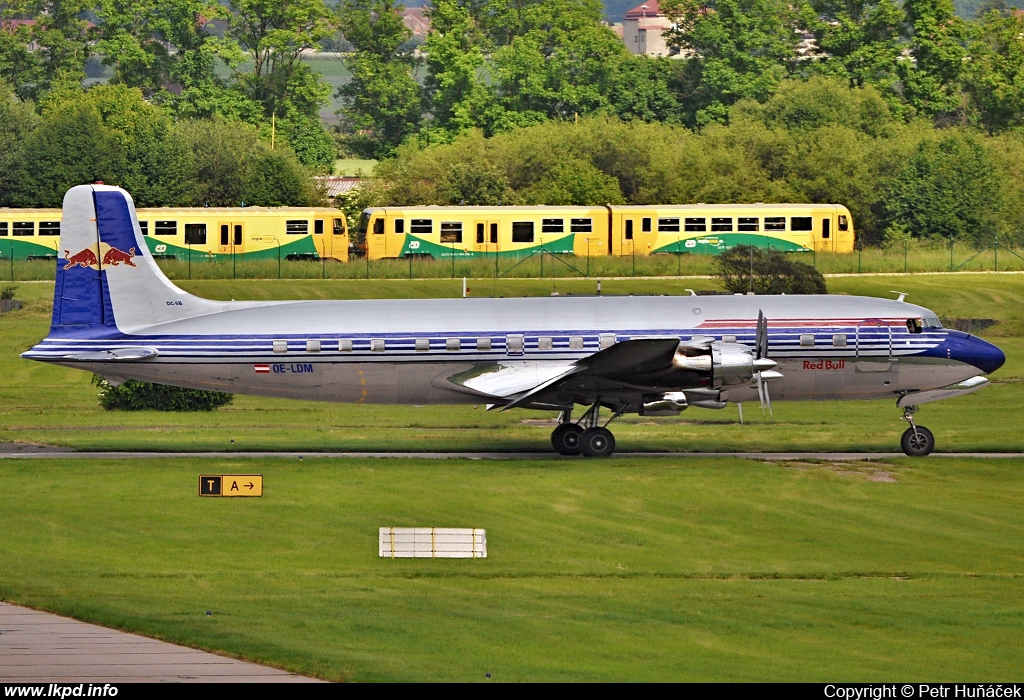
x=38, y=647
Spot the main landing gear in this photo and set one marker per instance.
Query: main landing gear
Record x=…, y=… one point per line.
x=917, y=441
x=585, y=437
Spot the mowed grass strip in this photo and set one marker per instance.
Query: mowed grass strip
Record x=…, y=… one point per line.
x=644, y=569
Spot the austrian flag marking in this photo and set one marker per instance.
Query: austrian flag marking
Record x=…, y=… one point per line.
x=262, y=369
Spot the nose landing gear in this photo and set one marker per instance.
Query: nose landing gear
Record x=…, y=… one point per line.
x=917, y=441
x=585, y=437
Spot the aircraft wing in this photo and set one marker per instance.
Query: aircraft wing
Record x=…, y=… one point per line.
x=532, y=382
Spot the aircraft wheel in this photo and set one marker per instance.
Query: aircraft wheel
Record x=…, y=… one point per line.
x=919, y=443
x=566, y=439
x=597, y=442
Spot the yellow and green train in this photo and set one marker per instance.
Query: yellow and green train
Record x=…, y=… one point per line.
x=210, y=233
x=466, y=232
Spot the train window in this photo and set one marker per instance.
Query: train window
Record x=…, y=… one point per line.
x=312, y=346
x=747, y=223
x=575, y=342
x=345, y=345
x=400, y=226
x=378, y=226
x=24, y=228
x=318, y=226
x=581, y=225
x=195, y=234
x=451, y=232
x=522, y=232
x=453, y=344
x=552, y=225
x=800, y=223
x=494, y=233
x=914, y=325
x=544, y=343
x=225, y=234
x=774, y=223
x=480, y=233
x=645, y=224
x=339, y=227
x=296, y=227
x=696, y=223
x=421, y=225
x=376, y=345
x=144, y=227
x=807, y=340
x=668, y=224
x=280, y=346
x=165, y=228
x=839, y=340
x=844, y=223
x=49, y=228
x=629, y=229
x=721, y=223
x=422, y=345
x=483, y=344
x=3, y=228
x=238, y=234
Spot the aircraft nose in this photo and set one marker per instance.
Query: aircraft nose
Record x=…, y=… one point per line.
x=980, y=353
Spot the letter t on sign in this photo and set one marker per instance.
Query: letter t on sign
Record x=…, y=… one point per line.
x=209, y=485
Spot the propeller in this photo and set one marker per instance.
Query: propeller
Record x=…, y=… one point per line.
x=762, y=365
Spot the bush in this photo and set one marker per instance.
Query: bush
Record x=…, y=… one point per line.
x=765, y=271
x=7, y=293
x=133, y=395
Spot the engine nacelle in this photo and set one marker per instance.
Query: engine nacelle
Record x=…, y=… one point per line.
x=670, y=404
x=728, y=364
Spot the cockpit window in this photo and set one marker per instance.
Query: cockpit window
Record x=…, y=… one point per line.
x=932, y=322
x=914, y=325
x=364, y=221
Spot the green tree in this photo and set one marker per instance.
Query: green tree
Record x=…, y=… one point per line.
x=20, y=67
x=382, y=103
x=747, y=268
x=995, y=72
x=932, y=82
x=737, y=49
x=17, y=120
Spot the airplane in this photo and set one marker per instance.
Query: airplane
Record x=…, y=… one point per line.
x=115, y=314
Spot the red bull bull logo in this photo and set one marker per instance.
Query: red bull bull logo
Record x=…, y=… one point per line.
x=85, y=258
x=115, y=257
x=112, y=257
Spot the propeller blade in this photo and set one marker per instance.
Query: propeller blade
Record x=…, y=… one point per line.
x=762, y=336
x=760, y=391
x=768, y=400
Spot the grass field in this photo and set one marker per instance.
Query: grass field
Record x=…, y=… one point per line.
x=640, y=569
x=626, y=569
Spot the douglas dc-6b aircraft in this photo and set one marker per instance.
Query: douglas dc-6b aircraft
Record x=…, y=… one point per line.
x=116, y=314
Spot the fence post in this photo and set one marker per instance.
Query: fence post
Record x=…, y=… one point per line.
x=12, y=261
x=542, y=262
x=860, y=255
x=279, y=260
x=995, y=248
x=190, y=261
x=906, y=253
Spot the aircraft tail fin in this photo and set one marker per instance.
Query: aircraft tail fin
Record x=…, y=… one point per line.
x=107, y=280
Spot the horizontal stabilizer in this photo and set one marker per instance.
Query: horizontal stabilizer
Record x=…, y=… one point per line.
x=116, y=354
x=916, y=398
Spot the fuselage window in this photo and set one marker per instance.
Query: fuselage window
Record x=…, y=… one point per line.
x=552, y=225
x=399, y=225
x=296, y=227
x=24, y=228
x=514, y=344
x=312, y=346
x=451, y=232
x=280, y=346
x=575, y=342
x=544, y=344
x=422, y=345
x=696, y=224
x=839, y=340
x=421, y=226
x=3, y=228
x=345, y=345
x=774, y=223
x=606, y=340
x=195, y=234
x=645, y=224
x=581, y=225
x=376, y=345
x=801, y=223
x=453, y=344
x=914, y=325
x=721, y=223
x=522, y=232
x=483, y=344
x=668, y=224
x=807, y=340
x=747, y=223
x=165, y=228
x=844, y=223
x=49, y=228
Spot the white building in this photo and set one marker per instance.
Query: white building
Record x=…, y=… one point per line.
x=643, y=30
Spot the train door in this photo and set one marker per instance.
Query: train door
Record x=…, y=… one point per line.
x=485, y=236
x=394, y=239
x=827, y=239
x=231, y=237
x=629, y=226
x=339, y=241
